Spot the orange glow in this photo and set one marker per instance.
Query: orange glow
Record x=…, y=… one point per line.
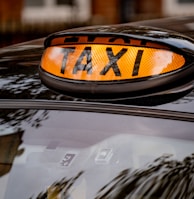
x=109, y=62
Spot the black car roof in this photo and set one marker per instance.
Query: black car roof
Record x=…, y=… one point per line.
x=19, y=77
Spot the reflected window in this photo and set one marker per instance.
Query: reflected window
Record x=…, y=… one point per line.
x=54, y=153
x=60, y=11
x=34, y=3
x=186, y=1
x=66, y=2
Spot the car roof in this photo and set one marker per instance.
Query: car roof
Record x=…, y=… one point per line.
x=127, y=142
x=19, y=78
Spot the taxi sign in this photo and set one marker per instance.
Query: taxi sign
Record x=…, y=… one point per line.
x=107, y=64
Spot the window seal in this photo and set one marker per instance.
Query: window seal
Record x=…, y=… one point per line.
x=96, y=108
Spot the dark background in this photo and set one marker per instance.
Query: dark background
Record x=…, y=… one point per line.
x=13, y=29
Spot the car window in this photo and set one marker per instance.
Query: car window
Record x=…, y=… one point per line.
x=72, y=154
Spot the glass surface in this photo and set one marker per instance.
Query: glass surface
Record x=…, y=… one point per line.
x=58, y=154
x=34, y=2
x=66, y=2
x=186, y=1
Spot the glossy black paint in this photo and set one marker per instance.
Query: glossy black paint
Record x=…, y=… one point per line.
x=82, y=131
x=32, y=116
x=19, y=78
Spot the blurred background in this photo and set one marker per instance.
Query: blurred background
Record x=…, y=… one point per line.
x=22, y=20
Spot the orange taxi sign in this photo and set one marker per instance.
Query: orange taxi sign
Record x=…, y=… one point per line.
x=110, y=65
x=91, y=62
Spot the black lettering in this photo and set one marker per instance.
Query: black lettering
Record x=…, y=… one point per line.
x=66, y=52
x=125, y=39
x=137, y=63
x=91, y=38
x=143, y=42
x=84, y=67
x=71, y=39
x=113, y=61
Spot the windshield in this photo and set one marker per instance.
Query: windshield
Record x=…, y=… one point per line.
x=65, y=154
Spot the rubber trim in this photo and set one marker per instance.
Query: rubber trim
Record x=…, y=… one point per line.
x=97, y=108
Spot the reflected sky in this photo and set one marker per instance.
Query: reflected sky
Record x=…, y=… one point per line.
x=65, y=143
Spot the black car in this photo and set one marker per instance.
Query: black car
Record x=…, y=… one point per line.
x=102, y=112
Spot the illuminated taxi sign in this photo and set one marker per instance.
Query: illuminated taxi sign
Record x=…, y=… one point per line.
x=107, y=64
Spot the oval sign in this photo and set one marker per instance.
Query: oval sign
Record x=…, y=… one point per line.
x=111, y=65
x=98, y=62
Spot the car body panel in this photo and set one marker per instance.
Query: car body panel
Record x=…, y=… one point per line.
x=47, y=145
x=16, y=59
x=55, y=146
